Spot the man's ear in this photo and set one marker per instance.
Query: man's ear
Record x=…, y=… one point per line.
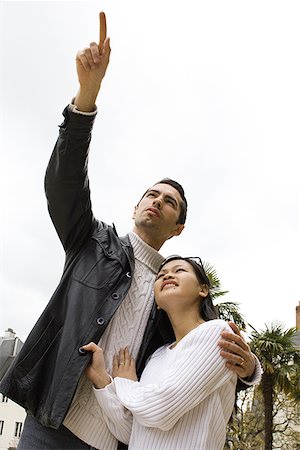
x=134, y=212
x=179, y=229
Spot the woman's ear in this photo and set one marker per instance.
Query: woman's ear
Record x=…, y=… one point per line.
x=203, y=290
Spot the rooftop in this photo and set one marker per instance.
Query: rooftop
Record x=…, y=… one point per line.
x=10, y=345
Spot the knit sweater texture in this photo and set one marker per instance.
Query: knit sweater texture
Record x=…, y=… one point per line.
x=183, y=400
x=85, y=417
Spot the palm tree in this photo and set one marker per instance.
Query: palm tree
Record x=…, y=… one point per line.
x=276, y=352
x=226, y=310
x=215, y=283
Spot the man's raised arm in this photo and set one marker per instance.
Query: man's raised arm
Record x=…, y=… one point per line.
x=66, y=181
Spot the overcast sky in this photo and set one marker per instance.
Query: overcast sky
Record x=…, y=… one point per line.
x=205, y=92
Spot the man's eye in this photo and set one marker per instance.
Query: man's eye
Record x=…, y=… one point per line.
x=171, y=202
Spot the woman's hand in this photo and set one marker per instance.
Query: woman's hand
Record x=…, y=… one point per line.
x=124, y=365
x=96, y=371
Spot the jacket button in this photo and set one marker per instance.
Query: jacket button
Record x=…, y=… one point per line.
x=115, y=295
x=100, y=321
x=81, y=351
x=128, y=274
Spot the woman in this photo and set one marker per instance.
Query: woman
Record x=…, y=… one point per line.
x=185, y=396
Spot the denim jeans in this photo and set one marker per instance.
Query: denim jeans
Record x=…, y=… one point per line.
x=37, y=437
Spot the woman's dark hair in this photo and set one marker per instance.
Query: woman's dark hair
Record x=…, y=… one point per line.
x=206, y=307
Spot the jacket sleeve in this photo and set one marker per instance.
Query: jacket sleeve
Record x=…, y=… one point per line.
x=117, y=417
x=196, y=372
x=66, y=180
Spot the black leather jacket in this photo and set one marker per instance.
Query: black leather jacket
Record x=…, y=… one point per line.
x=96, y=279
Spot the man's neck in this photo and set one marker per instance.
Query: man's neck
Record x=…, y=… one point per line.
x=154, y=242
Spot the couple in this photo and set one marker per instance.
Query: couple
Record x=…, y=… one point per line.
x=105, y=296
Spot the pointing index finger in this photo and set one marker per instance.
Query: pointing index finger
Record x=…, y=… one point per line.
x=102, y=37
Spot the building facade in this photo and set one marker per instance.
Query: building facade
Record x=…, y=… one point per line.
x=12, y=416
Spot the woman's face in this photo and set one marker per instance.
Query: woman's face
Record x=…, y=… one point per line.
x=177, y=286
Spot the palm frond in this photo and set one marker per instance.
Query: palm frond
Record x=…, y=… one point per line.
x=274, y=348
x=231, y=311
x=215, y=283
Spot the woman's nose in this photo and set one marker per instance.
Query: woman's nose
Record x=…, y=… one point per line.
x=167, y=276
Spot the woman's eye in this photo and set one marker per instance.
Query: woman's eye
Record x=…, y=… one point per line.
x=159, y=276
x=180, y=270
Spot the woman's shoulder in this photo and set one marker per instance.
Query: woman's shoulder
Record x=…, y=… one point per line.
x=211, y=327
x=217, y=323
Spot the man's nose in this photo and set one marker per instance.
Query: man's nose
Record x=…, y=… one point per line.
x=157, y=202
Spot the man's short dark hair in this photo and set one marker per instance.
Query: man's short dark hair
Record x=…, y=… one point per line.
x=179, y=188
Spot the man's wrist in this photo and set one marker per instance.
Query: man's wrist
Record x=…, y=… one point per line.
x=74, y=109
x=85, y=100
x=102, y=382
x=255, y=378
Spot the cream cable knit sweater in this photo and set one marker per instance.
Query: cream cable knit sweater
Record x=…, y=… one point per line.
x=183, y=401
x=85, y=417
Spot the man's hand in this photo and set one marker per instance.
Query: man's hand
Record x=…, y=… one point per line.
x=124, y=365
x=91, y=64
x=237, y=353
x=96, y=371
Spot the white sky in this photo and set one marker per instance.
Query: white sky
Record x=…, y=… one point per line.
x=205, y=92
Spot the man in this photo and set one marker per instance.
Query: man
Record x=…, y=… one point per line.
x=105, y=294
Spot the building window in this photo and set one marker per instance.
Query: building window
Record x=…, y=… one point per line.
x=18, y=429
x=1, y=427
x=4, y=399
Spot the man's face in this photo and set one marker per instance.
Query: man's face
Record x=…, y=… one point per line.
x=158, y=212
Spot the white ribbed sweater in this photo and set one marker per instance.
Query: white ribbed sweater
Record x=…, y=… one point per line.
x=183, y=401
x=85, y=417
